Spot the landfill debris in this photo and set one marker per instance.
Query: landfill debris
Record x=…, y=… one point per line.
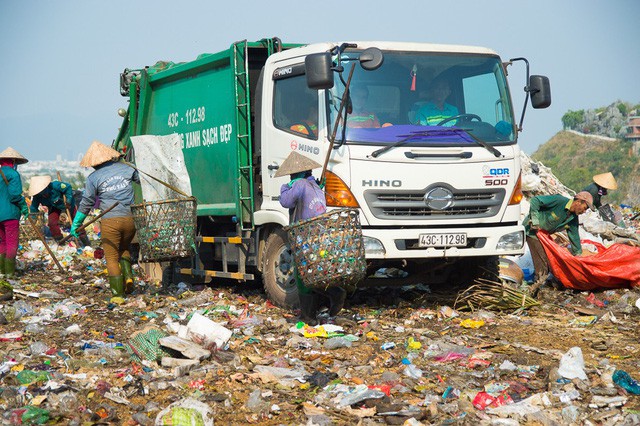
x=403, y=355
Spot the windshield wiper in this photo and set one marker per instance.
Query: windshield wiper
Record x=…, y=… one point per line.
x=427, y=133
x=483, y=144
x=414, y=136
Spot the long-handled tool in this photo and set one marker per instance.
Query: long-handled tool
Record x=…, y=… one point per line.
x=80, y=228
x=38, y=232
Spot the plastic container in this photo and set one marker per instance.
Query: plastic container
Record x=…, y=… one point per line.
x=337, y=342
x=200, y=326
x=412, y=371
x=626, y=382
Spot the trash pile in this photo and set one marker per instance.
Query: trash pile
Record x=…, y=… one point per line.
x=413, y=355
x=226, y=355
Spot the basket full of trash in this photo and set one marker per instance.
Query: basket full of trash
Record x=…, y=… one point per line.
x=27, y=233
x=166, y=229
x=328, y=250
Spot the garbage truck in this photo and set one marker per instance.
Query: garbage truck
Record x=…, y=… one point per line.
x=438, y=200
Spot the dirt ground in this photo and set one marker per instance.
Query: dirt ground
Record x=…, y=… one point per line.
x=413, y=359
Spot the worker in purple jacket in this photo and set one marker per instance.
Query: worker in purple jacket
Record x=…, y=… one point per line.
x=305, y=200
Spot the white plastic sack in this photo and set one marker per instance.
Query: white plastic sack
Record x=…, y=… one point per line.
x=202, y=330
x=162, y=158
x=572, y=364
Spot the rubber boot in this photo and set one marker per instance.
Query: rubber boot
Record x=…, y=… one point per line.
x=337, y=297
x=127, y=274
x=2, y=260
x=85, y=241
x=308, y=308
x=9, y=267
x=116, y=283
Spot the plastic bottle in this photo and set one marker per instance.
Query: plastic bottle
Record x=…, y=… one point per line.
x=34, y=328
x=337, y=342
x=413, y=371
x=625, y=381
x=26, y=377
x=35, y=416
x=255, y=402
x=38, y=348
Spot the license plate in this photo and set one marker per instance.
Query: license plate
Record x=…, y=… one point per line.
x=442, y=240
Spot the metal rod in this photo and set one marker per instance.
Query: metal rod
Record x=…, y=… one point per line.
x=332, y=139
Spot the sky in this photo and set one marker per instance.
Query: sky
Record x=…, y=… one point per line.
x=61, y=60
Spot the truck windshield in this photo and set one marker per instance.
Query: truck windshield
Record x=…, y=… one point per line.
x=425, y=93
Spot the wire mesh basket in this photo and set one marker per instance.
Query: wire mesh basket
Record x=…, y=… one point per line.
x=27, y=233
x=328, y=249
x=166, y=229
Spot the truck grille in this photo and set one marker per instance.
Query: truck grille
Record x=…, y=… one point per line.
x=465, y=204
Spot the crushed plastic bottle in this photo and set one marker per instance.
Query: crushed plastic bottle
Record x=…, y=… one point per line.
x=413, y=371
x=626, y=382
x=255, y=402
x=38, y=348
x=360, y=393
x=337, y=342
x=26, y=377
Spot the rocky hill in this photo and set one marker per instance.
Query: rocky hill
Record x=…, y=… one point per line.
x=575, y=157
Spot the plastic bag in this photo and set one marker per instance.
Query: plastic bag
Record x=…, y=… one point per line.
x=615, y=267
x=186, y=412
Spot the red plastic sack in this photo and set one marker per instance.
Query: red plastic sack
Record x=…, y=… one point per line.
x=615, y=267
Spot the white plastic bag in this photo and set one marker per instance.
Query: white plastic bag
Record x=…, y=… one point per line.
x=572, y=364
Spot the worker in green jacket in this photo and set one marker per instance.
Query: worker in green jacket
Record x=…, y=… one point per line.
x=554, y=213
x=12, y=206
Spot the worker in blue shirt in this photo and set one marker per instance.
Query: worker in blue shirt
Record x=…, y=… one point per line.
x=57, y=197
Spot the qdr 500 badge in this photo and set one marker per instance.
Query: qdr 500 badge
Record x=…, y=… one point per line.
x=495, y=176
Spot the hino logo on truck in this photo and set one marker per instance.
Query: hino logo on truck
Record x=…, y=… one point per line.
x=381, y=183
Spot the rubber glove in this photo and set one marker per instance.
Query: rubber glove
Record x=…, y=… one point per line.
x=77, y=223
x=24, y=210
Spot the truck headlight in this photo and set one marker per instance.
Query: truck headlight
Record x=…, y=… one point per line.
x=512, y=241
x=373, y=246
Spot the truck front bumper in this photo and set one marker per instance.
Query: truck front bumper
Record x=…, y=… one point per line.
x=401, y=243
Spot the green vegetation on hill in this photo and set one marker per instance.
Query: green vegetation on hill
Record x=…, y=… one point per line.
x=574, y=159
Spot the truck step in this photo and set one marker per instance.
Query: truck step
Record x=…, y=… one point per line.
x=228, y=240
x=217, y=274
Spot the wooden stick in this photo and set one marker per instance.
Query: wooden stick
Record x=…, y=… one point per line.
x=35, y=228
x=80, y=228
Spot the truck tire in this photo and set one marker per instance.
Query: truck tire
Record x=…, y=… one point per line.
x=468, y=270
x=277, y=271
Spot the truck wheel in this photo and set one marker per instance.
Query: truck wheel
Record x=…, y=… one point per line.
x=277, y=275
x=468, y=270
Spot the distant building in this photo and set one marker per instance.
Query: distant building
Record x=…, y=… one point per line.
x=633, y=132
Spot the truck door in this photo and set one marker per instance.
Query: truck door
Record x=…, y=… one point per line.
x=293, y=125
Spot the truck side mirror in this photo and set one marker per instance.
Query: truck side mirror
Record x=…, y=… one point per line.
x=318, y=70
x=371, y=59
x=540, y=91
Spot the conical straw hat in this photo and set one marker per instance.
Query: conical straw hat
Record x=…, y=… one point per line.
x=37, y=184
x=12, y=153
x=296, y=163
x=606, y=180
x=97, y=154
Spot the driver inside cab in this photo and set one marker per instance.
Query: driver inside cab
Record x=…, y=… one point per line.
x=436, y=109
